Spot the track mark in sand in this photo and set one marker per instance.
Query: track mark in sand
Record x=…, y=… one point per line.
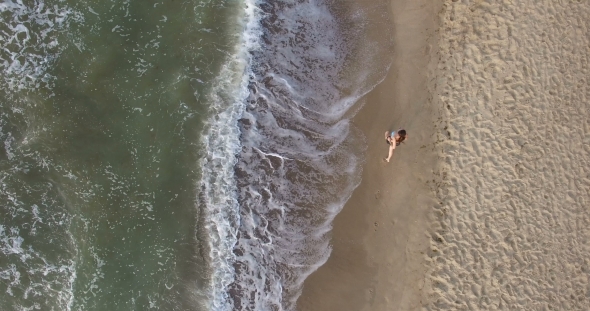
x=514, y=97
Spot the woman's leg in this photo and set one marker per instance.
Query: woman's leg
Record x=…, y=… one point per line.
x=391, y=148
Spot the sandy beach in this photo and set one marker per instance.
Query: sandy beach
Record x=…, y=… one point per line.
x=380, y=238
x=486, y=206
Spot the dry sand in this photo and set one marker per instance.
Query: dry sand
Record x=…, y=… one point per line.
x=486, y=207
x=514, y=226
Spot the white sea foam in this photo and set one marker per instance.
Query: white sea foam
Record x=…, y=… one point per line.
x=221, y=144
x=52, y=280
x=29, y=42
x=33, y=276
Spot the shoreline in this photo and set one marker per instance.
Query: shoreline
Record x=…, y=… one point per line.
x=380, y=238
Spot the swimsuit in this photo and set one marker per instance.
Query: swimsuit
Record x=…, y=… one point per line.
x=392, y=136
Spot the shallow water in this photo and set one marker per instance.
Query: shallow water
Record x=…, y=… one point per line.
x=102, y=105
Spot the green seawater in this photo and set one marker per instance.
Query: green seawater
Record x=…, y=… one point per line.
x=100, y=150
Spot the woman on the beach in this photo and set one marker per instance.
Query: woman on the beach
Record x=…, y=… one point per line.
x=393, y=139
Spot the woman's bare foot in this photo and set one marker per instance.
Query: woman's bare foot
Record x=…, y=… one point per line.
x=386, y=134
x=385, y=159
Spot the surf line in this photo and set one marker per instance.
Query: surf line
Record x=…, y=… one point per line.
x=220, y=141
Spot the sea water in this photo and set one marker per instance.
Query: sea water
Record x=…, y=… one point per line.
x=177, y=155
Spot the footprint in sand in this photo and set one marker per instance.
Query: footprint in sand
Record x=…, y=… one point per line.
x=378, y=194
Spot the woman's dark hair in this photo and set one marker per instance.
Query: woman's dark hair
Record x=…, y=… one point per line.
x=402, y=135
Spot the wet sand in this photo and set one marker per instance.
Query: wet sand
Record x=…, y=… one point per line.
x=380, y=238
x=486, y=207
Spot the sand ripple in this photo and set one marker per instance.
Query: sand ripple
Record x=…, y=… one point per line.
x=514, y=186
